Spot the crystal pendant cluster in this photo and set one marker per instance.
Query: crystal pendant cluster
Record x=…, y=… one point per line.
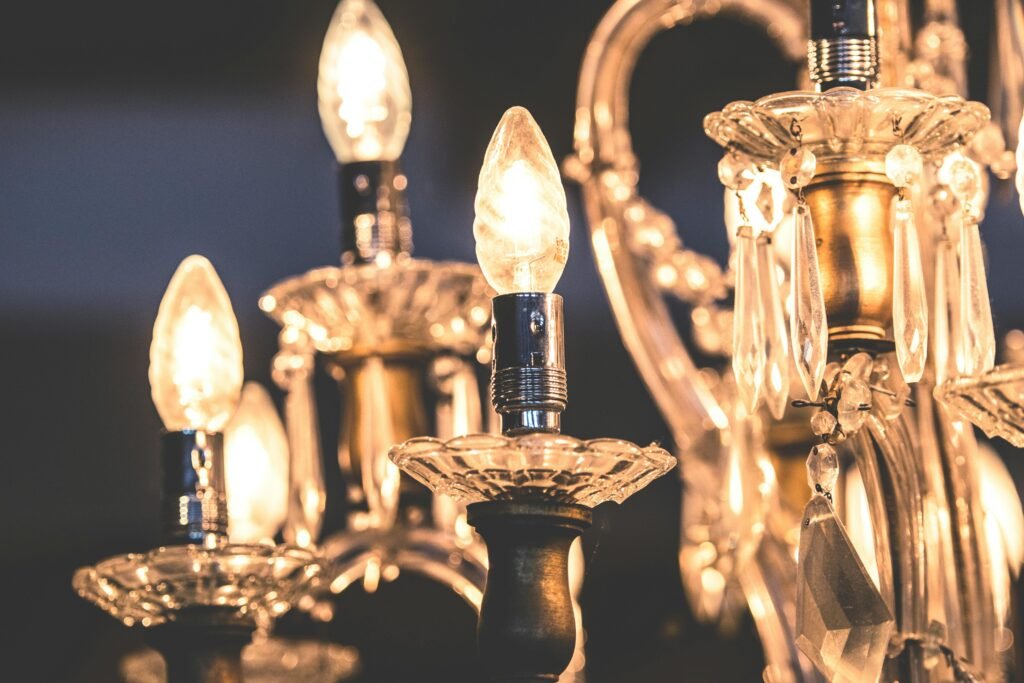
x=761, y=342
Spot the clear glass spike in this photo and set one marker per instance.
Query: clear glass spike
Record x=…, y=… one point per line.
x=946, y=332
x=807, y=324
x=976, y=333
x=776, y=369
x=842, y=623
x=909, y=304
x=748, y=342
x=294, y=368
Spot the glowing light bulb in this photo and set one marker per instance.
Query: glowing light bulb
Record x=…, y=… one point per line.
x=363, y=87
x=195, y=360
x=522, y=224
x=255, y=468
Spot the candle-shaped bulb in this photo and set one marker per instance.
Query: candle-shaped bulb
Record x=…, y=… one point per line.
x=363, y=86
x=256, y=468
x=522, y=224
x=195, y=360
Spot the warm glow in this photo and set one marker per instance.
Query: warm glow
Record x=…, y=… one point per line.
x=1004, y=526
x=363, y=87
x=522, y=224
x=195, y=360
x=255, y=468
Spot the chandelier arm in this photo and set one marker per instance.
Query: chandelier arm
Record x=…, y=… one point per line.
x=603, y=143
x=894, y=41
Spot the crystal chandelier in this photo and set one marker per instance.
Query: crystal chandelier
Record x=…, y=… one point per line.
x=833, y=484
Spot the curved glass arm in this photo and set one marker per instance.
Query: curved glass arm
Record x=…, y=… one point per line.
x=605, y=165
x=307, y=495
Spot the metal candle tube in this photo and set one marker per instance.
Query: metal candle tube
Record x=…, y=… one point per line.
x=374, y=217
x=528, y=383
x=202, y=645
x=527, y=628
x=843, y=50
x=194, y=502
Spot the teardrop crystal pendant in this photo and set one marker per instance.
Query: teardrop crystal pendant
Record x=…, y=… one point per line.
x=977, y=335
x=946, y=326
x=909, y=305
x=776, y=369
x=842, y=623
x=748, y=347
x=808, y=326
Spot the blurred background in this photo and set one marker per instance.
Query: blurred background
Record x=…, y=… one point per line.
x=134, y=133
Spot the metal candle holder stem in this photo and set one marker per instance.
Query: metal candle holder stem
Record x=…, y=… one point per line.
x=202, y=645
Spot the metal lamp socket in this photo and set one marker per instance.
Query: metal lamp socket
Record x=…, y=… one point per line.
x=528, y=382
x=194, y=502
x=843, y=49
x=374, y=218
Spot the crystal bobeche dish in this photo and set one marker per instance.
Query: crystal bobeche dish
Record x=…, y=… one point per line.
x=433, y=306
x=994, y=401
x=845, y=123
x=261, y=581
x=537, y=466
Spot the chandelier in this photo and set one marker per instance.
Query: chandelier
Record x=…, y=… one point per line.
x=834, y=486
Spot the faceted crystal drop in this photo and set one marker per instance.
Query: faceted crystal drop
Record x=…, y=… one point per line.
x=797, y=167
x=909, y=305
x=859, y=366
x=903, y=165
x=808, y=327
x=776, y=371
x=823, y=423
x=822, y=468
x=748, y=342
x=977, y=336
x=735, y=171
x=854, y=397
x=947, y=334
x=842, y=623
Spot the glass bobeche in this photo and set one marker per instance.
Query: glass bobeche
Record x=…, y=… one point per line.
x=432, y=306
x=993, y=401
x=537, y=466
x=261, y=581
x=845, y=123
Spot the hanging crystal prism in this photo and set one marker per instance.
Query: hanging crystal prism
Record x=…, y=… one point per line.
x=776, y=369
x=808, y=326
x=977, y=336
x=748, y=343
x=842, y=623
x=946, y=332
x=909, y=305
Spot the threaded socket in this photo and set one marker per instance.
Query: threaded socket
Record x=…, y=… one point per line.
x=848, y=61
